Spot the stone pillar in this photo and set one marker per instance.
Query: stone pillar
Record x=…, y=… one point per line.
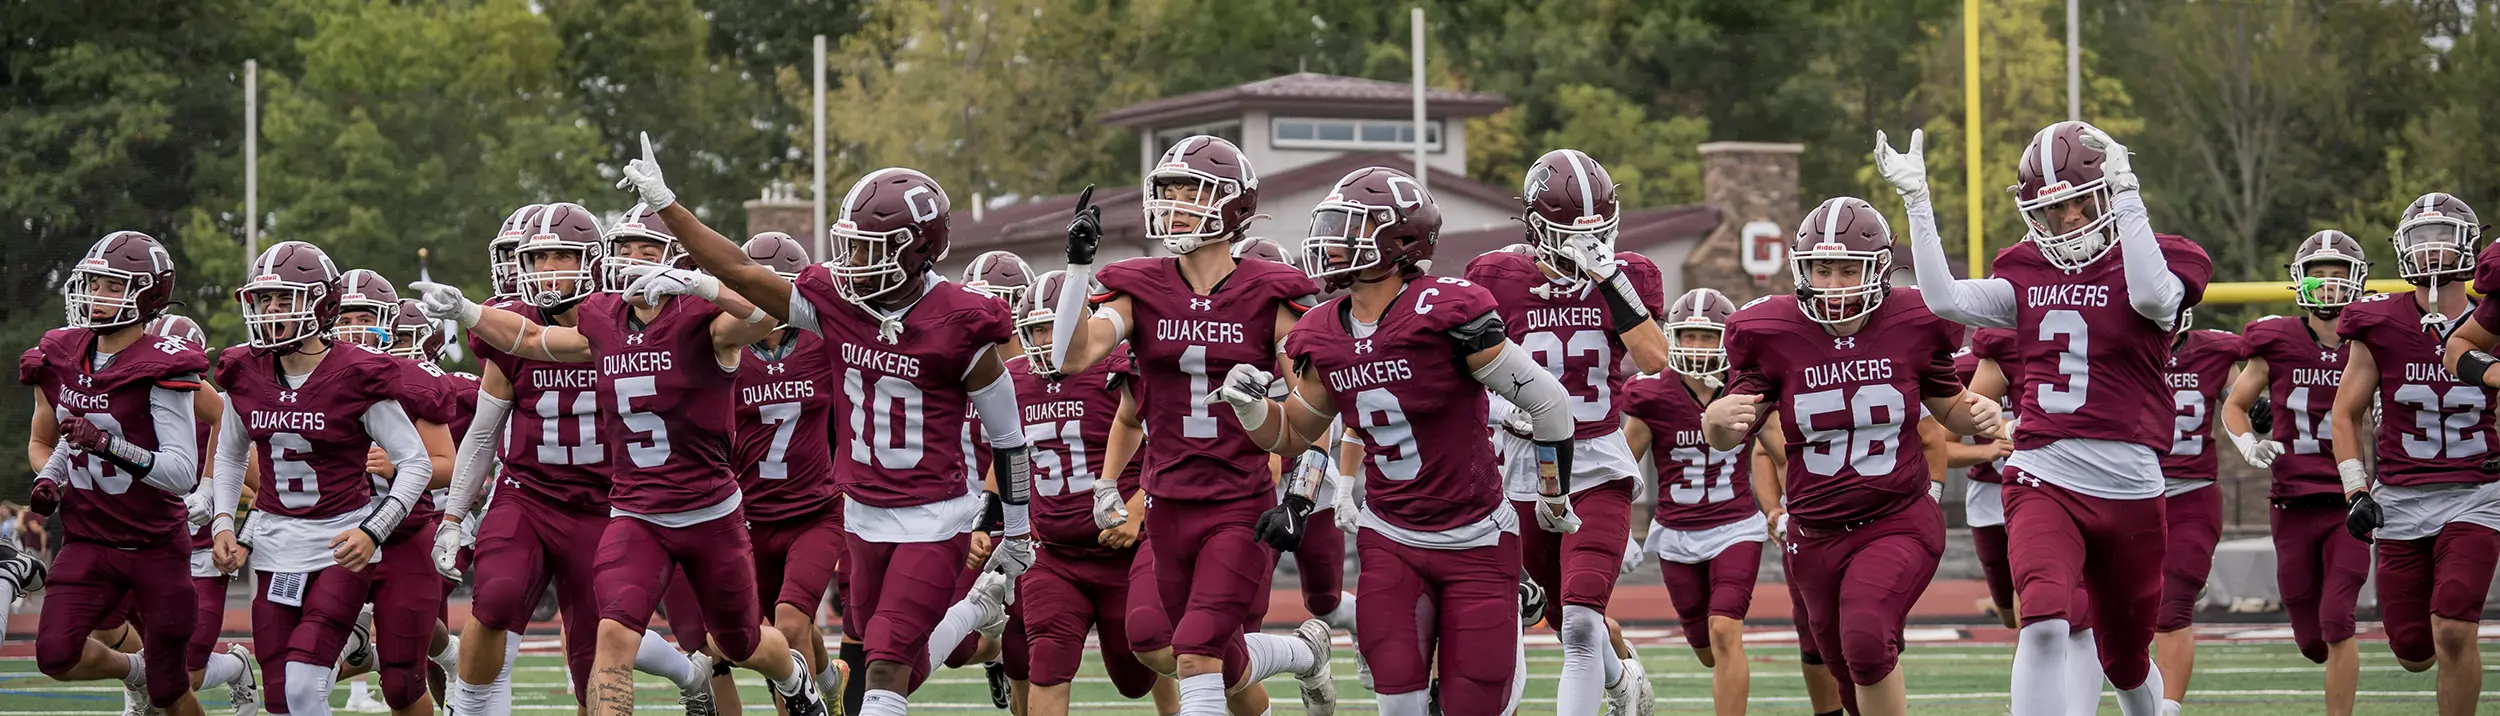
x=782, y=209
x=1748, y=182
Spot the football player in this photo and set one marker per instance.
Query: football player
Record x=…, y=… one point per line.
x=1404, y=360
x=307, y=409
x=667, y=374
x=907, y=402
x=114, y=446
x=1988, y=367
x=1000, y=274
x=1824, y=696
x=2431, y=508
x=2095, y=297
x=235, y=667
x=417, y=338
x=1188, y=320
x=2295, y=364
x=553, y=505
x=1706, y=530
x=1841, y=366
x=1575, y=305
x=2199, y=365
x=1320, y=557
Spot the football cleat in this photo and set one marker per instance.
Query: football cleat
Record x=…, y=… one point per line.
x=1319, y=687
x=804, y=701
x=698, y=698
x=244, y=690
x=996, y=673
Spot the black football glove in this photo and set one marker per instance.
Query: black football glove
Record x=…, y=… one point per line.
x=2261, y=417
x=1281, y=526
x=993, y=514
x=1085, y=231
x=2364, y=518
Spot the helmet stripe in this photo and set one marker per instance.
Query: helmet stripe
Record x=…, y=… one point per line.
x=2047, y=141
x=1588, y=201
x=1831, y=219
x=853, y=194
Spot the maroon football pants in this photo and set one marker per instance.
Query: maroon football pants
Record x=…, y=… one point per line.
x=1860, y=582
x=1445, y=613
x=1578, y=569
x=2188, y=555
x=2060, y=540
x=526, y=545
x=2446, y=574
x=89, y=583
x=1720, y=587
x=2319, y=568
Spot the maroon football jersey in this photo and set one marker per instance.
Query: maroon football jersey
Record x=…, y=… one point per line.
x=1405, y=386
x=2198, y=368
x=1183, y=345
x=461, y=390
x=1572, y=335
x=1996, y=344
x=551, y=445
x=1698, y=487
x=2432, y=428
x=666, y=405
x=1849, y=405
x=309, y=440
x=1067, y=423
x=903, y=405
x=431, y=396
x=2301, y=376
x=102, y=504
x=2098, y=362
x=785, y=428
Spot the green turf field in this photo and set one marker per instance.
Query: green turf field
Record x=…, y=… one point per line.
x=2232, y=680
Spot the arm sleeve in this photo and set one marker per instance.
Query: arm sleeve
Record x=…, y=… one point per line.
x=233, y=447
x=176, y=465
x=390, y=427
x=1001, y=420
x=2151, y=289
x=1512, y=375
x=477, y=453
x=1070, y=311
x=803, y=312
x=1986, y=302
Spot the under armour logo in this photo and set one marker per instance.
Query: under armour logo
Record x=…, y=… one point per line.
x=1792, y=546
x=512, y=483
x=633, y=339
x=1845, y=343
x=86, y=381
x=2028, y=481
x=1363, y=346
x=2174, y=360
x=775, y=369
x=2326, y=356
x=286, y=396
x=1202, y=304
x=1051, y=387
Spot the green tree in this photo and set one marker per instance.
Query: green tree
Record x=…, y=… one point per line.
x=1656, y=162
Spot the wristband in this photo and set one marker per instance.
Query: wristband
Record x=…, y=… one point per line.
x=2355, y=479
x=2472, y=366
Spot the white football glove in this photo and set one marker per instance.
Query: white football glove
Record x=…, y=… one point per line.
x=1633, y=552
x=1109, y=509
x=2114, y=161
x=1555, y=514
x=1011, y=556
x=444, y=303
x=201, y=505
x=1348, y=521
x=1935, y=492
x=1905, y=171
x=651, y=283
x=448, y=539
x=642, y=176
x=2259, y=452
x=1246, y=388
x=1595, y=256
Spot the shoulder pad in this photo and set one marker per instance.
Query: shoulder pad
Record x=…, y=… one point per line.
x=1476, y=334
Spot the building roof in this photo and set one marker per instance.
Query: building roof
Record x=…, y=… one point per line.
x=1638, y=231
x=1332, y=95
x=1124, y=210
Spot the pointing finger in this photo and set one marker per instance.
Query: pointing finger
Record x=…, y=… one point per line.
x=1918, y=142
x=1084, y=200
x=646, y=148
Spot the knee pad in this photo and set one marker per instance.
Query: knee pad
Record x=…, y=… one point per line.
x=402, y=684
x=57, y=656
x=2313, y=649
x=1587, y=583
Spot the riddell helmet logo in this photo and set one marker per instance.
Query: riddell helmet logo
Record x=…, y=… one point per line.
x=1830, y=246
x=1588, y=221
x=2429, y=214
x=2052, y=189
x=96, y=262
x=846, y=225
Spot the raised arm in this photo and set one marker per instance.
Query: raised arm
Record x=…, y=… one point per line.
x=1076, y=339
x=503, y=329
x=2152, y=290
x=1984, y=302
x=713, y=252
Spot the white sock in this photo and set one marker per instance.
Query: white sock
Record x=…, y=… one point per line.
x=1271, y=655
x=1614, y=665
x=798, y=676
x=880, y=702
x=2169, y=708
x=138, y=676
x=503, y=679
x=659, y=658
x=223, y=668
x=1201, y=695
x=958, y=623
x=2083, y=673
x=1343, y=617
x=308, y=689
x=828, y=678
x=359, y=689
x=449, y=656
x=1518, y=675
x=468, y=698
x=1584, y=645
x=2040, y=676
x=1412, y=703
x=2144, y=699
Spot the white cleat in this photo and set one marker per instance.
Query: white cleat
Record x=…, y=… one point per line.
x=362, y=701
x=1632, y=695
x=805, y=701
x=244, y=690
x=698, y=698
x=992, y=592
x=1319, y=687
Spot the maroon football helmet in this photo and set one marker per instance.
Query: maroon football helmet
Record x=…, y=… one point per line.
x=1842, y=230
x=291, y=294
x=560, y=256
x=1034, y=315
x=1001, y=274
x=502, y=264
x=639, y=225
x=779, y=252
x=1205, y=178
x=1374, y=217
x=1701, y=310
x=125, y=278
x=2436, y=238
x=416, y=337
x=1569, y=196
x=1266, y=249
x=2056, y=168
x=891, y=230
x=364, y=290
x=2326, y=296
x=178, y=326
